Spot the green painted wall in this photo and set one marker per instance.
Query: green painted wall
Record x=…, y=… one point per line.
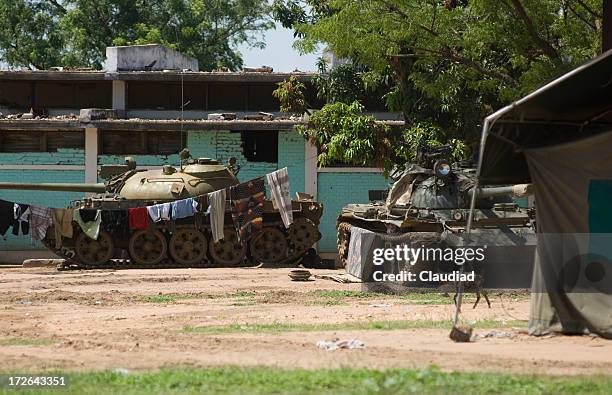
x=63, y=156
x=335, y=190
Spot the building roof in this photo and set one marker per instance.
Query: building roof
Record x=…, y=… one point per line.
x=575, y=105
x=150, y=124
x=171, y=75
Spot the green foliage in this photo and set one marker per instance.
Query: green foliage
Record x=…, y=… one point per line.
x=29, y=34
x=342, y=84
x=422, y=135
x=344, y=136
x=42, y=34
x=290, y=94
x=453, y=62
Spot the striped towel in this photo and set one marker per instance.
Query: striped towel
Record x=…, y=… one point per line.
x=278, y=182
x=40, y=221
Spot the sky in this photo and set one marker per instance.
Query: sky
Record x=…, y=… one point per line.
x=278, y=53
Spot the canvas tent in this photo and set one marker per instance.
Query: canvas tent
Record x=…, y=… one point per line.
x=560, y=139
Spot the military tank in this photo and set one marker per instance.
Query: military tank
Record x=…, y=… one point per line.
x=429, y=204
x=184, y=242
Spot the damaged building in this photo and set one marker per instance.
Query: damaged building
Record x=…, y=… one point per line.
x=158, y=103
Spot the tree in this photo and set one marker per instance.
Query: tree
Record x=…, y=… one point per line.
x=453, y=62
x=29, y=35
x=343, y=135
x=76, y=32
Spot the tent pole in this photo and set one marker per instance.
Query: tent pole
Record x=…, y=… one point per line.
x=468, y=229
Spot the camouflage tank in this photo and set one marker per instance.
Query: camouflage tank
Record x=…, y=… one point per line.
x=179, y=242
x=429, y=204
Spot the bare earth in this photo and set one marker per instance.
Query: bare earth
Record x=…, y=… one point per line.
x=103, y=319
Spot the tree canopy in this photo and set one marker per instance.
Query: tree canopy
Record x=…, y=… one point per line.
x=451, y=62
x=44, y=33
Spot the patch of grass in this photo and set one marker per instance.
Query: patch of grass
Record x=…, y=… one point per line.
x=335, y=294
x=236, y=380
x=159, y=298
x=242, y=294
x=19, y=341
x=351, y=325
x=173, y=298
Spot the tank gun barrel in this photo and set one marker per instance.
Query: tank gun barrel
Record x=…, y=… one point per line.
x=516, y=191
x=60, y=187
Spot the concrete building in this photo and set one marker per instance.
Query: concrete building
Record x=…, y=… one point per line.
x=50, y=144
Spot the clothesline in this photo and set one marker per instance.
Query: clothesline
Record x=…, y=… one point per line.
x=246, y=207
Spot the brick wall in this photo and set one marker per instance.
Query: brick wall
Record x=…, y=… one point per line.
x=63, y=156
x=291, y=156
x=141, y=160
x=335, y=190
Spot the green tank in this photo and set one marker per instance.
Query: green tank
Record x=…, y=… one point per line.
x=429, y=204
x=179, y=243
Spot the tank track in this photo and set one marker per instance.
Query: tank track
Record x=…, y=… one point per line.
x=296, y=242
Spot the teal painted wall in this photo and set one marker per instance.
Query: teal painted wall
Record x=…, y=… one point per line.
x=335, y=190
x=41, y=198
x=291, y=156
x=63, y=156
x=141, y=160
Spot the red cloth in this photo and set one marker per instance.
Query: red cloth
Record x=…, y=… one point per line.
x=138, y=218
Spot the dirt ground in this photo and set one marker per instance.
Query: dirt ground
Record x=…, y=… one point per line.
x=137, y=319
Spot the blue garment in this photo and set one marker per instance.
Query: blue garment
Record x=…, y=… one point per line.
x=184, y=208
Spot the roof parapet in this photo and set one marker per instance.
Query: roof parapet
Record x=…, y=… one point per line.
x=151, y=57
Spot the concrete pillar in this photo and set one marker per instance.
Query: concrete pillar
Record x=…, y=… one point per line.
x=119, y=95
x=310, y=168
x=91, y=155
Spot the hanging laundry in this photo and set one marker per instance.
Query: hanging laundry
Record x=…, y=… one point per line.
x=184, y=208
x=138, y=218
x=278, y=182
x=116, y=222
x=40, y=220
x=62, y=224
x=21, y=216
x=89, y=220
x=216, y=209
x=247, y=207
x=6, y=216
x=160, y=212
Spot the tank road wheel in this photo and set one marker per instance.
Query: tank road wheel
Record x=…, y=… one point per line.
x=268, y=246
x=94, y=252
x=303, y=233
x=147, y=248
x=229, y=251
x=188, y=246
